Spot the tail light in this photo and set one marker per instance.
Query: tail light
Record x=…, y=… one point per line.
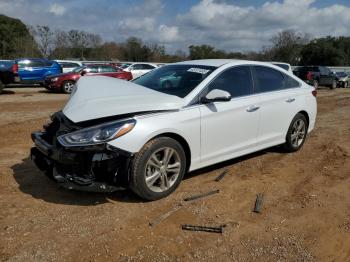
x=15, y=68
x=309, y=75
x=314, y=93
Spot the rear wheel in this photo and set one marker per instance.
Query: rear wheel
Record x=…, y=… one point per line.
x=296, y=134
x=334, y=84
x=67, y=87
x=158, y=168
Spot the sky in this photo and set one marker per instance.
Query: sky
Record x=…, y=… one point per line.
x=231, y=25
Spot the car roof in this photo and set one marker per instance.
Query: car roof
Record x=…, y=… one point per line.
x=221, y=62
x=208, y=62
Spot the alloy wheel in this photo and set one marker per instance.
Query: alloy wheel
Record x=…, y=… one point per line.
x=68, y=87
x=162, y=169
x=298, y=133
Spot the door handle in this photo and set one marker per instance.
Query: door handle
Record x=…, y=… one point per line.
x=290, y=100
x=253, y=108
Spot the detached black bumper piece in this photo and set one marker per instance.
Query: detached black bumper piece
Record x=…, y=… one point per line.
x=99, y=168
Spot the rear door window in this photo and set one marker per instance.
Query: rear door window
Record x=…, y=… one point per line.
x=92, y=69
x=107, y=69
x=236, y=80
x=290, y=82
x=268, y=79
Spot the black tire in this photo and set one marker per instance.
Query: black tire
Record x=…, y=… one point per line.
x=289, y=145
x=67, y=87
x=140, y=164
x=2, y=86
x=315, y=84
x=333, y=85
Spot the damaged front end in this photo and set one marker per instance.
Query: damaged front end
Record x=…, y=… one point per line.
x=96, y=167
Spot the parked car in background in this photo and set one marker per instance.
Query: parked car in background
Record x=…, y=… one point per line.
x=285, y=66
x=146, y=136
x=34, y=70
x=138, y=69
x=66, y=81
x=343, y=79
x=316, y=76
x=69, y=65
x=6, y=74
x=6, y=64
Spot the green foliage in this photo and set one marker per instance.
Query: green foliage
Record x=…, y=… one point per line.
x=332, y=51
x=15, y=39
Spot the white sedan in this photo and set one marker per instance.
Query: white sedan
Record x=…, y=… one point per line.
x=138, y=69
x=147, y=134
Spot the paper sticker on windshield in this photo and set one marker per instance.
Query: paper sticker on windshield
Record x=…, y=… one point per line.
x=198, y=70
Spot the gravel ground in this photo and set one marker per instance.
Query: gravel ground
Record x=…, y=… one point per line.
x=305, y=215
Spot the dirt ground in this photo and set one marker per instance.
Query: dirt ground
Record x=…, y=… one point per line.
x=305, y=215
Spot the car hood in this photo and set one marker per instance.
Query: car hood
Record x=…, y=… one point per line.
x=99, y=96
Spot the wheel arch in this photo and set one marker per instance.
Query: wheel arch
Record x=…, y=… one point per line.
x=304, y=113
x=180, y=139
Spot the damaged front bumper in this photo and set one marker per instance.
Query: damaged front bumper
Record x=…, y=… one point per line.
x=100, y=168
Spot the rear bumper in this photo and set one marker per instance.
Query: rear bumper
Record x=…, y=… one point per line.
x=94, y=169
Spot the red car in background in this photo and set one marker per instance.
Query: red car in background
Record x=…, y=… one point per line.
x=65, y=82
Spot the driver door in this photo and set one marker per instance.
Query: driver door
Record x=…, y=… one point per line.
x=230, y=129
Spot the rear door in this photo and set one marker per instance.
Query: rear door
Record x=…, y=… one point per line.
x=108, y=71
x=277, y=104
x=326, y=77
x=30, y=70
x=229, y=129
x=91, y=70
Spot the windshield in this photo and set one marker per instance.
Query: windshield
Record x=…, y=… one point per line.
x=342, y=74
x=178, y=80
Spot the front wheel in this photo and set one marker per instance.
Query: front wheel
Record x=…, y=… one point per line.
x=158, y=168
x=296, y=134
x=67, y=87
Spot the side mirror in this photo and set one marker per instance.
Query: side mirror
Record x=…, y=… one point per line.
x=83, y=72
x=216, y=95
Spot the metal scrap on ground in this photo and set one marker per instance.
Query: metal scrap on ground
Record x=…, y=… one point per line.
x=258, y=202
x=221, y=176
x=201, y=195
x=218, y=229
x=164, y=216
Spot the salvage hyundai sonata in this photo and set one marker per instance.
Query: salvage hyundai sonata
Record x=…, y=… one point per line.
x=146, y=134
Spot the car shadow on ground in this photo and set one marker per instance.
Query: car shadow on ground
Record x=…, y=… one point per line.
x=7, y=92
x=33, y=182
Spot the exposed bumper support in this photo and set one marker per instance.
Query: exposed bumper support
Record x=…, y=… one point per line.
x=95, y=169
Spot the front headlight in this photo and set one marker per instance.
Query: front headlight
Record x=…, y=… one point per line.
x=97, y=134
x=54, y=79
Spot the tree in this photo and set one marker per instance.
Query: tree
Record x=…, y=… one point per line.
x=15, y=39
x=286, y=46
x=327, y=51
x=44, y=38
